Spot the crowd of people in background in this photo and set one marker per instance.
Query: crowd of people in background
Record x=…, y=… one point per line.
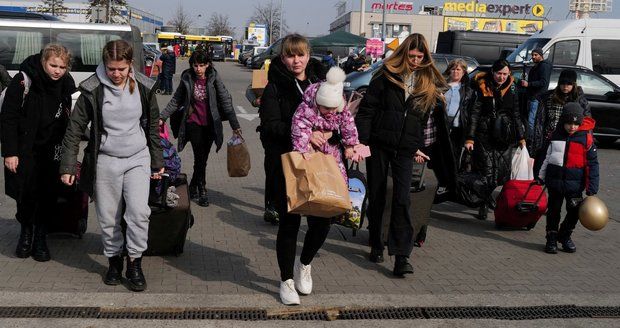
x=411, y=113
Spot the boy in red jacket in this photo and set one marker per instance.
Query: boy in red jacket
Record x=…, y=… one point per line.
x=571, y=166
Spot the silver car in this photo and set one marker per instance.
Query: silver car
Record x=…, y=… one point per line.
x=359, y=81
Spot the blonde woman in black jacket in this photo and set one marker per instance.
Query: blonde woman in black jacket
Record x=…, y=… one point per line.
x=33, y=126
x=403, y=100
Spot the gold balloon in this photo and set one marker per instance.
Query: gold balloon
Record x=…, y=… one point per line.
x=593, y=214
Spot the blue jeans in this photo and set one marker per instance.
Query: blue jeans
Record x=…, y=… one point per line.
x=531, y=117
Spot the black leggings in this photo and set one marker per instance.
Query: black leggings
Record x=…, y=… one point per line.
x=286, y=245
x=201, y=138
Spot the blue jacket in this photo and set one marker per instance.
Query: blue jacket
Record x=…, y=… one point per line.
x=571, y=164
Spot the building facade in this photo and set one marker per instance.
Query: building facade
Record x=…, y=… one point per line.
x=402, y=18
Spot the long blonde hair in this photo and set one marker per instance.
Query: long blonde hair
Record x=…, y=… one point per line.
x=429, y=83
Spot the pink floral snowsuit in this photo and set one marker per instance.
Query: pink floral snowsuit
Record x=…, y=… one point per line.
x=307, y=119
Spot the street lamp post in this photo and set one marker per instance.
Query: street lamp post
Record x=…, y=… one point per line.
x=383, y=24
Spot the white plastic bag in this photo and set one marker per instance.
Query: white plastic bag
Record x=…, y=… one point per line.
x=522, y=165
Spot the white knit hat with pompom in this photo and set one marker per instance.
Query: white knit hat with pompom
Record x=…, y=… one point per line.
x=330, y=91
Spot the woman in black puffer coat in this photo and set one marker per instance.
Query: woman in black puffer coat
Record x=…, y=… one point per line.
x=33, y=126
x=496, y=101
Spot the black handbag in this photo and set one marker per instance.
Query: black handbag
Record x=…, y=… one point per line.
x=471, y=187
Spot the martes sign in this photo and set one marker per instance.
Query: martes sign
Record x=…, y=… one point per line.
x=475, y=7
x=396, y=5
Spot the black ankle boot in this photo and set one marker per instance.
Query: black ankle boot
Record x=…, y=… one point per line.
x=203, y=199
x=134, y=274
x=115, y=271
x=193, y=193
x=376, y=255
x=551, y=246
x=24, y=243
x=40, y=252
x=567, y=243
x=402, y=266
x=482, y=212
x=271, y=215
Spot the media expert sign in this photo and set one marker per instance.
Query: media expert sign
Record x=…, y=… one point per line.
x=474, y=7
x=396, y=5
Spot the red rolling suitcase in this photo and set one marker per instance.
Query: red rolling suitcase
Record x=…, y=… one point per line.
x=520, y=204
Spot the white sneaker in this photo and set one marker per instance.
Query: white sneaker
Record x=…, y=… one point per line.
x=288, y=295
x=303, y=277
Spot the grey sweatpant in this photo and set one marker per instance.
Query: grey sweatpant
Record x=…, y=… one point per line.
x=123, y=181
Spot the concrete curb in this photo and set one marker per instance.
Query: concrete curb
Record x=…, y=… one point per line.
x=119, y=300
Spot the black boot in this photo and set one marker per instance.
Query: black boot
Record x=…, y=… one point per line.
x=376, y=255
x=40, y=252
x=24, y=243
x=193, y=192
x=271, y=215
x=203, y=199
x=551, y=246
x=482, y=212
x=402, y=266
x=134, y=275
x=567, y=243
x=115, y=271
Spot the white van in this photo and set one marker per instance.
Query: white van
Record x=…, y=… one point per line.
x=22, y=38
x=592, y=43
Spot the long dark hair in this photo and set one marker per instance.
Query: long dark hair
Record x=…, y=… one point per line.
x=119, y=50
x=562, y=98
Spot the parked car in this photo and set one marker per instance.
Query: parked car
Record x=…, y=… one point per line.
x=257, y=61
x=219, y=53
x=244, y=57
x=359, y=81
x=602, y=94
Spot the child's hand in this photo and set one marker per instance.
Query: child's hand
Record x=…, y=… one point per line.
x=319, y=138
x=349, y=153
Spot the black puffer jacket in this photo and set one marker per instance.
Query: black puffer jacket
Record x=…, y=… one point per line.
x=490, y=101
x=387, y=120
x=40, y=122
x=279, y=103
x=548, y=115
x=220, y=107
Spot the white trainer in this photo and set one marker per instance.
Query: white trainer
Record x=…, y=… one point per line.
x=303, y=277
x=288, y=294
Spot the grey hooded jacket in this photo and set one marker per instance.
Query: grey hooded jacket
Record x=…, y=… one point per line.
x=88, y=110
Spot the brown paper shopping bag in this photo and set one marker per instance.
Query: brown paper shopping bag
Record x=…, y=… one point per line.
x=315, y=186
x=238, y=161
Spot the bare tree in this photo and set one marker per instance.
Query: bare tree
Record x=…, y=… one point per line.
x=53, y=7
x=107, y=11
x=270, y=15
x=219, y=25
x=181, y=20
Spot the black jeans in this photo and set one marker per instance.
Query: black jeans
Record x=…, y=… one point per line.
x=273, y=168
x=400, y=234
x=286, y=244
x=201, y=138
x=554, y=210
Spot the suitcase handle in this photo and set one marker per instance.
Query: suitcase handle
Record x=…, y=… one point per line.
x=529, y=207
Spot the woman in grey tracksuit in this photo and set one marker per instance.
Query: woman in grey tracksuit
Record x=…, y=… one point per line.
x=122, y=153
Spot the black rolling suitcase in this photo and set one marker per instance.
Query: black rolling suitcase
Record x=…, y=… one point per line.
x=70, y=213
x=423, y=188
x=168, y=226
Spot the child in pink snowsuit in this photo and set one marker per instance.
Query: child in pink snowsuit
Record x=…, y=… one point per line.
x=323, y=114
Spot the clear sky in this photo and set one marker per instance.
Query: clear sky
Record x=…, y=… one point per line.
x=311, y=17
